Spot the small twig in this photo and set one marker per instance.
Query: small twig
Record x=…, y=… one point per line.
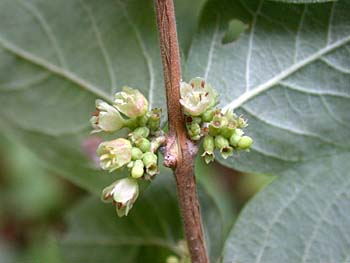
x=180, y=151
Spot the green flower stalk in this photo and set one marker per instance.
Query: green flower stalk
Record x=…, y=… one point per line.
x=197, y=96
x=106, y=118
x=131, y=102
x=123, y=193
x=209, y=146
x=114, y=154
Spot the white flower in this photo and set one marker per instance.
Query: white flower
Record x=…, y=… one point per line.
x=197, y=97
x=131, y=102
x=106, y=118
x=123, y=193
x=114, y=154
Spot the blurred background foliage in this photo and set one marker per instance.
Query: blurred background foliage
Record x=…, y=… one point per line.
x=34, y=200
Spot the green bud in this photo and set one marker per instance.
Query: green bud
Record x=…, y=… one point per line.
x=195, y=137
x=245, y=142
x=241, y=123
x=218, y=123
x=223, y=145
x=123, y=193
x=131, y=102
x=150, y=161
x=138, y=169
x=143, y=144
x=221, y=142
x=142, y=120
x=235, y=137
x=195, y=128
x=136, y=153
x=114, y=154
x=154, y=119
x=208, y=144
x=140, y=132
x=172, y=259
x=208, y=115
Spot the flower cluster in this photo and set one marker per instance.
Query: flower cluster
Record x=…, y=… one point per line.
x=221, y=131
x=137, y=152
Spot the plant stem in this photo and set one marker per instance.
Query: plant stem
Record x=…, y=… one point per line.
x=180, y=151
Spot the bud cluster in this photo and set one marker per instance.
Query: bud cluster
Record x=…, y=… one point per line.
x=137, y=152
x=220, y=131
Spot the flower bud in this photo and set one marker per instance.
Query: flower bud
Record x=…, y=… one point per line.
x=218, y=123
x=143, y=144
x=208, y=145
x=131, y=102
x=245, y=142
x=136, y=153
x=140, y=132
x=197, y=97
x=114, y=154
x=106, y=118
x=137, y=170
x=225, y=149
x=150, y=161
x=208, y=115
x=235, y=137
x=241, y=122
x=123, y=193
x=154, y=119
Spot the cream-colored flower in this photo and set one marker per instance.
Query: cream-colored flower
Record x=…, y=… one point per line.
x=131, y=102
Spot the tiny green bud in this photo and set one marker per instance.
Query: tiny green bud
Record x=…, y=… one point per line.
x=131, y=102
x=208, y=145
x=106, y=118
x=138, y=169
x=208, y=115
x=114, y=154
x=245, y=142
x=218, y=123
x=140, y=132
x=154, y=119
x=225, y=149
x=124, y=193
x=172, y=259
x=136, y=153
x=150, y=161
x=221, y=142
x=235, y=137
x=241, y=122
x=195, y=128
x=143, y=144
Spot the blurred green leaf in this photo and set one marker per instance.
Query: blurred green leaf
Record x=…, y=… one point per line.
x=297, y=218
x=150, y=233
x=289, y=74
x=52, y=68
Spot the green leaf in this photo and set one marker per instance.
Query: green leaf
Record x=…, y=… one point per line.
x=288, y=73
x=150, y=232
x=304, y=1
x=297, y=218
x=53, y=67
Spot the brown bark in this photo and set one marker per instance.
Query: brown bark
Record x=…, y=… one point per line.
x=180, y=151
